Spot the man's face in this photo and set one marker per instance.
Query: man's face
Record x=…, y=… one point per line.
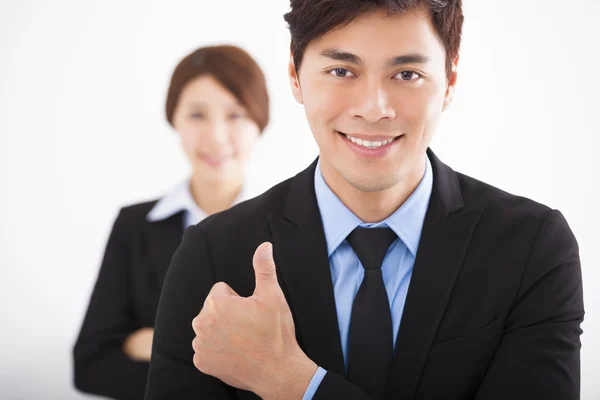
x=373, y=92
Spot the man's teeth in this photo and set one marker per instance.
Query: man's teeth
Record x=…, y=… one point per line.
x=368, y=143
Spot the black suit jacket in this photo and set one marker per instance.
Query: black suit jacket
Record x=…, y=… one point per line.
x=125, y=298
x=493, y=309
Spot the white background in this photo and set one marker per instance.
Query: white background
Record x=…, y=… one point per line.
x=82, y=132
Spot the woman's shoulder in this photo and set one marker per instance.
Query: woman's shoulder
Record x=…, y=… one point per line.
x=134, y=214
x=139, y=209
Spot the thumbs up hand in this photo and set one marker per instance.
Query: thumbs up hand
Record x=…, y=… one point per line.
x=250, y=342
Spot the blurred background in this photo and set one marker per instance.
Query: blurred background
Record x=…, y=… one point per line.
x=82, y=133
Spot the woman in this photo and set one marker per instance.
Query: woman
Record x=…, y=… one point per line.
x=218, y=103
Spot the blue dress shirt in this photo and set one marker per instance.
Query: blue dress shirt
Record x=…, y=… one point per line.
x=346, y=271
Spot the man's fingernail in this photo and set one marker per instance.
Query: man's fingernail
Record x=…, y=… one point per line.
x=267, y=253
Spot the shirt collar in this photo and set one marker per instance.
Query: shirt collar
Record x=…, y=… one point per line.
x=406, y=221
x=180, y=199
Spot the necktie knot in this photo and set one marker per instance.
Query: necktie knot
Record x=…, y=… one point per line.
x=371, y=245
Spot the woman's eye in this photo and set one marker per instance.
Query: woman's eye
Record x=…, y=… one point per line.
x=408, y=75
x=341, y=72
x=197, y=115
x=236, y=116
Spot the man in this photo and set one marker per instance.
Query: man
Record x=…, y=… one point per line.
x=378, y=272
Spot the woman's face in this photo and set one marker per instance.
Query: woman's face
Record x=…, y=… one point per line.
x=217, y=133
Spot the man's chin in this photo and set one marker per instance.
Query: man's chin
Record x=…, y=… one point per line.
x=371, y=184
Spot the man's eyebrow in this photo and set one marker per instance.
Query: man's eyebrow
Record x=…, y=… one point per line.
x=415, y=58
x=339, y=55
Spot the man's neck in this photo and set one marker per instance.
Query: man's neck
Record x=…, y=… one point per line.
x=372, y=207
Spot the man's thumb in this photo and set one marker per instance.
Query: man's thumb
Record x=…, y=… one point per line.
x=264, y=269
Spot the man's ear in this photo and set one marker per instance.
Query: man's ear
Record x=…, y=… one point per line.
x=451, y=85
x=295, y=80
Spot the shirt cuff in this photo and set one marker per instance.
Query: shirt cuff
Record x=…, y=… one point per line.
x=314, y=384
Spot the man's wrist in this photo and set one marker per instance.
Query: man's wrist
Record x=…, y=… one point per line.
x=290, y=380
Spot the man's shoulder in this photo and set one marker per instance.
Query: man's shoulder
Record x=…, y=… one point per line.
x=249, y=213
x=518, y=223
x=480, y=195
x=232, y=236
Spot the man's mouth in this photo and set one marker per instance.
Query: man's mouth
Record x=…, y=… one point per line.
x=375, y=143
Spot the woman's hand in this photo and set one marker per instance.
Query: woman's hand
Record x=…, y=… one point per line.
x=138, y=345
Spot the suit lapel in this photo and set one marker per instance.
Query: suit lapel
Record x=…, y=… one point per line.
x=301, y=257
x=164, y=238
x=300, y=253
x=447, y=232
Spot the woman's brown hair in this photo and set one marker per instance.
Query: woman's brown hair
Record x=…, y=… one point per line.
x=233, y=68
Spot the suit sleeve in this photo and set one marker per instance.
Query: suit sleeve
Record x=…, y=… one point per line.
x=538, y=356
x=172, y=372
x=100, y=366
x=334, y=386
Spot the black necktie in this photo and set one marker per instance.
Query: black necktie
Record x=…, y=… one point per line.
x=370, y=342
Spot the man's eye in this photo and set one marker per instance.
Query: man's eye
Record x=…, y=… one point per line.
x=341, y=72
x=408, y=75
